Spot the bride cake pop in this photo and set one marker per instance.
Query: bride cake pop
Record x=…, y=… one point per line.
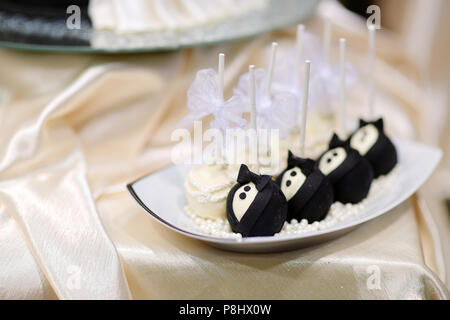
x=308, y=191
x=324, y=82
x=350, y=174
x=275, y=110
x=255, y=205
x=207, y=185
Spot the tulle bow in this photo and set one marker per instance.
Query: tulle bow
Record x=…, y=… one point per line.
x=275, y=111
x=203, y=101
x=324, y=83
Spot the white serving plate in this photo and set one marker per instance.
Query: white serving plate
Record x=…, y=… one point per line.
x=162, y=195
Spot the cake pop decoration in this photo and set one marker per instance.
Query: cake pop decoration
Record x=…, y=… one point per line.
x=373, y=144
x=324, y=82
x=308, y=191
x=369, y=139
x=350, y=174
x=276, y=110
x=255, y=205
x=207, y=185
x=205, y=97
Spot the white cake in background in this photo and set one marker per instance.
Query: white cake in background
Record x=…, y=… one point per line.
x=133, y=16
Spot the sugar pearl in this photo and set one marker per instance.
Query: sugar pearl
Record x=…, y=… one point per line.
x=338, y=213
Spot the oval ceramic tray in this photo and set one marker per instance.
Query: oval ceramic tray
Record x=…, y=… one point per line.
x=416, y=163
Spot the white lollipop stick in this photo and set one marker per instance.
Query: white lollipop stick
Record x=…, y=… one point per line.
x=304, y=107
x=371, y=76
x=343, y=89
x=299, y=52
x=273, y=55
x=326, y=41
x=220, y=96
x=253, y=123
x=220, y=76
x=252, y=97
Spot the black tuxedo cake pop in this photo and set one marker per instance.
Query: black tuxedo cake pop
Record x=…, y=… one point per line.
x=350, y=173
x=308, y=191
x=373, y=144
x=255, y=205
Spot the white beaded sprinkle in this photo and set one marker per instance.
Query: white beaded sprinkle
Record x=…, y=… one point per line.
x=338, y=213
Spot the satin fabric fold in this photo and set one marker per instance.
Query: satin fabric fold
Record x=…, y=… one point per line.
x=69, y=229
x=183, y=268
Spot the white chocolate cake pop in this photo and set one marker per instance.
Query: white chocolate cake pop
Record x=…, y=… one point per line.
x=207, y=185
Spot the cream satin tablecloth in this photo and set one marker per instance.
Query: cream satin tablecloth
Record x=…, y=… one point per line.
x=69, y=229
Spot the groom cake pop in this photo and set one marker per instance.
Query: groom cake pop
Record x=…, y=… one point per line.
x=350, y=174
x=308, y=191
x=373, y=144
x=255, y=205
